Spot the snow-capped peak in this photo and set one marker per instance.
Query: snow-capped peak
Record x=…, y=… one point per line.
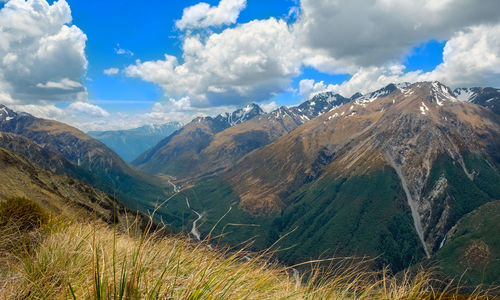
x=241, y=115
x=6, y=114
x=402, y=86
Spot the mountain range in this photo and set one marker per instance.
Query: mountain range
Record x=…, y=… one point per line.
x=210, y=144
x=387, y=174
x=405, y=174
x=181, y=151
x=488, y=97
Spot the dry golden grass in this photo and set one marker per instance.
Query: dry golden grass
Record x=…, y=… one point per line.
x=91, y=260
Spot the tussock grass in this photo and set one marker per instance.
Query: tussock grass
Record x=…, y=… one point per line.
x=73, y=259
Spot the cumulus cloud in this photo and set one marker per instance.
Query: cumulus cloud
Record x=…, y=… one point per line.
x=111, y=71
x=470, y=58
x=203, y=15
x=251, y=62
x=254, y=61
x=358, y=33
x=42, y=58
x=181, y=105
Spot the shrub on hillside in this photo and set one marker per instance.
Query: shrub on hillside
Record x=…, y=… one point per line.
x=23, y=213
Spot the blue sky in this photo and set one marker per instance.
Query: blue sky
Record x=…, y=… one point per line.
x=174, y=60
x=148, y=30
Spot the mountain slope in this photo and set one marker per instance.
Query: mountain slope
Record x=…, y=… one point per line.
x=472, y=247
x=408, y=129
x=19, y=176
x=387, y=175
x=129, y=144
x=179, y=153
x=87, y=153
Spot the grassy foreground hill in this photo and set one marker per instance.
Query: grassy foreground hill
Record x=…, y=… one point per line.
x=73, y=258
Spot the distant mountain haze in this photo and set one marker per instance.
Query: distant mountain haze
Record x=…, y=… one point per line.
x=129, y=144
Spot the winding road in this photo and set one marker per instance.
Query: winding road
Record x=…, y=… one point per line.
x=194, y=231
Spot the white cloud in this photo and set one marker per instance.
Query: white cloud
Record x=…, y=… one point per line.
x=203, y=15
x=269, y=107
x=120, y=51
x=308, y=87
x=87, y=109
x=471, y=57
x=41, y=57
x=257, y=60
x=47, y=111
x=371, y=33
x=182, y=104
x=111, y=71
x=74, y=114
x=82, y=115
x=89, y=116
x=249, y=63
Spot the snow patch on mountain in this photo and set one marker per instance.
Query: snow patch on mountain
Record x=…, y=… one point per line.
x=368, y=98
x=441, y=94
x=465, y=94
